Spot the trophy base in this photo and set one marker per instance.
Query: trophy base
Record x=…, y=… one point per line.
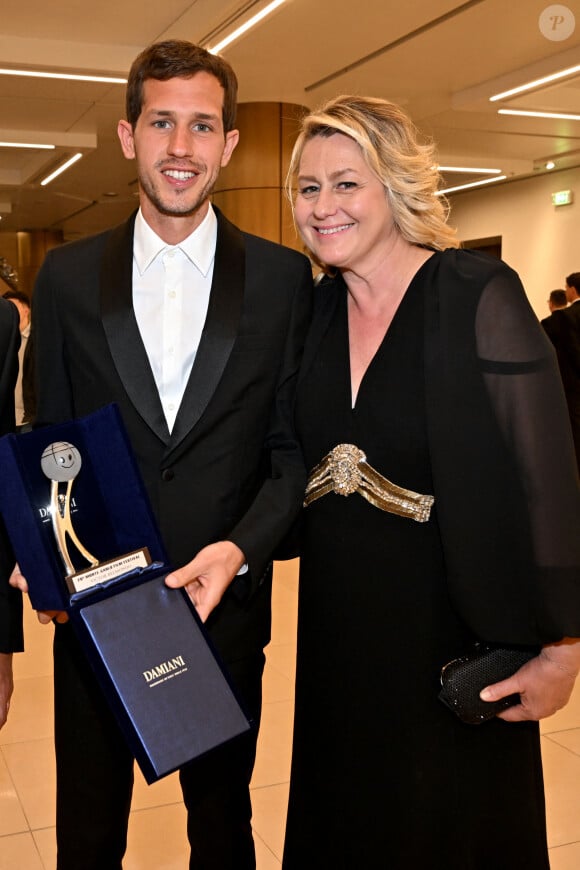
x=106, y=571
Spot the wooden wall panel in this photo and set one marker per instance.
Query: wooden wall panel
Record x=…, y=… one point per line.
x=288, y=234
x=290, y=118
x=25, y=251
x=9, y=248
x=256, y=160
x=255, y=210
x=250, y=191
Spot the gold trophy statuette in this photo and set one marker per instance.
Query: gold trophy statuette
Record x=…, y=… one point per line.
x=61, y=463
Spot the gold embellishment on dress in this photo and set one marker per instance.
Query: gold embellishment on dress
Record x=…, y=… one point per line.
x=345, y=470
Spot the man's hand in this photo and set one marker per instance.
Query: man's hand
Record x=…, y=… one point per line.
x=18, y=580
x=207, y=577
x=6, y=685
x=544, y=683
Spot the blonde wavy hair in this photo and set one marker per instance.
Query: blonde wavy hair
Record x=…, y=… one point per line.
x=390, y=145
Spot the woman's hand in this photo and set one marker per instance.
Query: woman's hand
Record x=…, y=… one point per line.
x=544, y=683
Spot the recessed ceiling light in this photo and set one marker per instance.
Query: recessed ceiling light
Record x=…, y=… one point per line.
x=550, y=164
x=528, y=114
x=472, y=184
x=251, y=22
x=26, y=145
x=536, y=83
x=39, y=74
x=471, y=169
x=60, y=169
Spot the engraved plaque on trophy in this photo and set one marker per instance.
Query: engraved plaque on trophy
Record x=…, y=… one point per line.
x=61, y=463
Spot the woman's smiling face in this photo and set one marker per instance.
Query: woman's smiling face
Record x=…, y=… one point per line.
x=341, y=207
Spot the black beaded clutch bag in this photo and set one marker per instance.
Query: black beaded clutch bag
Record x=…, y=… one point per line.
x=463, y=679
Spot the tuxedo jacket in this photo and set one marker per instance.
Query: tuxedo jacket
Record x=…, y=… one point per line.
x=505, y=486
x=10, y=599
x=231, y=468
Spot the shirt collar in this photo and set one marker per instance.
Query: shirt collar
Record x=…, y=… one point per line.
x=199, y=247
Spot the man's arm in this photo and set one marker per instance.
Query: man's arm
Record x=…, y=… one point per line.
x=11, y=639
x=6, y=686
x=279, y=499
x=9, y=345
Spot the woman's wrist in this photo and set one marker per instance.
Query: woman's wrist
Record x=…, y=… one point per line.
x=564, y=655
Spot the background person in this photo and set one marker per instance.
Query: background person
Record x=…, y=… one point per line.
x=556, y=300
x=563, y=330
x=430, y=361
x=22, y=303
x=11, y=639
x=196, y=330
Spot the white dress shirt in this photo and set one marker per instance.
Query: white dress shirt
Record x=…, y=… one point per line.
x=171, y=289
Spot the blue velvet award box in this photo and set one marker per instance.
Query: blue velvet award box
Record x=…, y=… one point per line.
x=85, y=538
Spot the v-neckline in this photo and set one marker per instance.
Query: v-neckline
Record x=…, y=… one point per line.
x=388, y=332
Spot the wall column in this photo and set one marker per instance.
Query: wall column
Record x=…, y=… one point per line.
x=250, y=191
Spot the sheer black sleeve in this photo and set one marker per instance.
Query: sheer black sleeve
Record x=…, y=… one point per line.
x=523, y=383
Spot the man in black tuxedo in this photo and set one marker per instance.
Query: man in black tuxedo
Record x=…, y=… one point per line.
x=563, y=330
x=556, y=300
x=196, y=330
x=10, y=599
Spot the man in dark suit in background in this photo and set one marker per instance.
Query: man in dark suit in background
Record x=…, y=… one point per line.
x=556, y=300
x=10, y=599
x=22, y=399
x=196, y=330
x=563, y=330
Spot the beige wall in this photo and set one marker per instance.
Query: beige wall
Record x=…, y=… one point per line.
x=541, y=242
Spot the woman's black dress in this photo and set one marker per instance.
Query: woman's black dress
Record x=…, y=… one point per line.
x=383, y=775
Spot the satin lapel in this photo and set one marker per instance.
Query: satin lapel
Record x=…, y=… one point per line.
x=123, y=336
x=220, y=329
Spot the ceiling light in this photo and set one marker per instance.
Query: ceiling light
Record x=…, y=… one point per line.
x=550, y=165
x=251, y=22
x=564, y=116
x=25, y=145
x=470, y=169
x=61, y=169
x=472, y=184
x=564, y=73
x=67, y=76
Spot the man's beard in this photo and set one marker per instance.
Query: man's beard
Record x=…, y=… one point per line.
x=174, y=209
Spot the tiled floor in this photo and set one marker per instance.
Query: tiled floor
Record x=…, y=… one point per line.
x=27, y=767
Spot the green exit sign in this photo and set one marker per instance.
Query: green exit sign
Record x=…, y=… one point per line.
x=562, y=197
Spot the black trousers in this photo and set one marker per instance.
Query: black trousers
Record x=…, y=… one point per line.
x=95, y=774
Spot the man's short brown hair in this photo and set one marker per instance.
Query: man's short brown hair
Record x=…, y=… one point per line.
x=176, y=58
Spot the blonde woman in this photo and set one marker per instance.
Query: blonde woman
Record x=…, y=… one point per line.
x=437, y=514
